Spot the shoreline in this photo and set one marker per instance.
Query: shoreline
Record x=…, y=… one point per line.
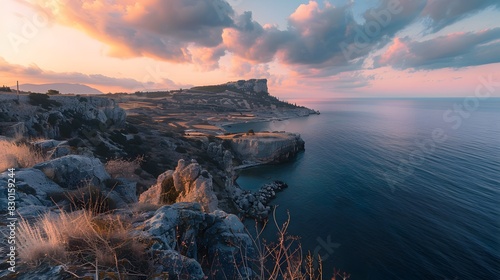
x=262, y=119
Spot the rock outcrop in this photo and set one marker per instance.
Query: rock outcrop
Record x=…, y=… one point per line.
x=265, y=147
x=37, y=187
x=188, y=183
x=182, y=242
x=73, y=171
x=250, y=86
x=182, y=234
x=32, y=191
x=57, y=116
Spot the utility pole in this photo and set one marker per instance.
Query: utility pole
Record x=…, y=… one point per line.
x=17, y=91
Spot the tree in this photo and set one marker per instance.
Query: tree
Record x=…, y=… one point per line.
x=53, y=92
x=6, y=89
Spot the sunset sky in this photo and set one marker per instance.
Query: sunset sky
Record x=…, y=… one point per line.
x=306, y=49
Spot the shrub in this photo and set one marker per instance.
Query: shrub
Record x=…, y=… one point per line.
x=42, y=100
x=6, y=89
x=18, y=155
x=89, y=198
x=124, y=168
x=53, y=92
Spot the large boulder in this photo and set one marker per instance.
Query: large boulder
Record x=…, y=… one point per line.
x=53, y=148
x=33, y=190
x=74, y=171
x=218, y=240
x=121, y=191
x=188, y=183
x=172, y=264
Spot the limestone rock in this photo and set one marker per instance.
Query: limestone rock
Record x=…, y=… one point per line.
x=32, y=191
x=73, y=171
x=250, y=86
x=191, y=185
x=123, y=193
x=175, y=265
x=183, y=229
x=266, y=147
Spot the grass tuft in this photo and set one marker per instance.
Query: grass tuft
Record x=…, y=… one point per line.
x=82, y=238
x=20, y=155
x=120, y=168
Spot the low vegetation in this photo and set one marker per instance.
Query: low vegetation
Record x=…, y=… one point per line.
x=42, y=100
x=121, y=168
x=5, y=89
x=217, y=88
x=284, y=259
x=83, y=240
x=18, y=154
x=53, y=92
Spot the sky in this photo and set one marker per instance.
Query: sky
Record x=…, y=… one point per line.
x=306, y=49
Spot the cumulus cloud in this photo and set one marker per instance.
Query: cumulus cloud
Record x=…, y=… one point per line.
x=252, y=41
x=453, y=50
x=154, y=28
x=320, y=37
x=320, y=40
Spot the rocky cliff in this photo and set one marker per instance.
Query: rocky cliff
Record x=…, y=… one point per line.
x=57, y=116
x=250, y=86
x=195, y=237
x=265, y=147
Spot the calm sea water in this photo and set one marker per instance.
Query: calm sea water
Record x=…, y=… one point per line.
x=393, y=189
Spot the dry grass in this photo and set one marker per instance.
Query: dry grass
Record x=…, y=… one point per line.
x=82, y=239
x=120, y=168
x=21, y=155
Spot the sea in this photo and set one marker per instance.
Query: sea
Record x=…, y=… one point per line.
x=392, y=188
